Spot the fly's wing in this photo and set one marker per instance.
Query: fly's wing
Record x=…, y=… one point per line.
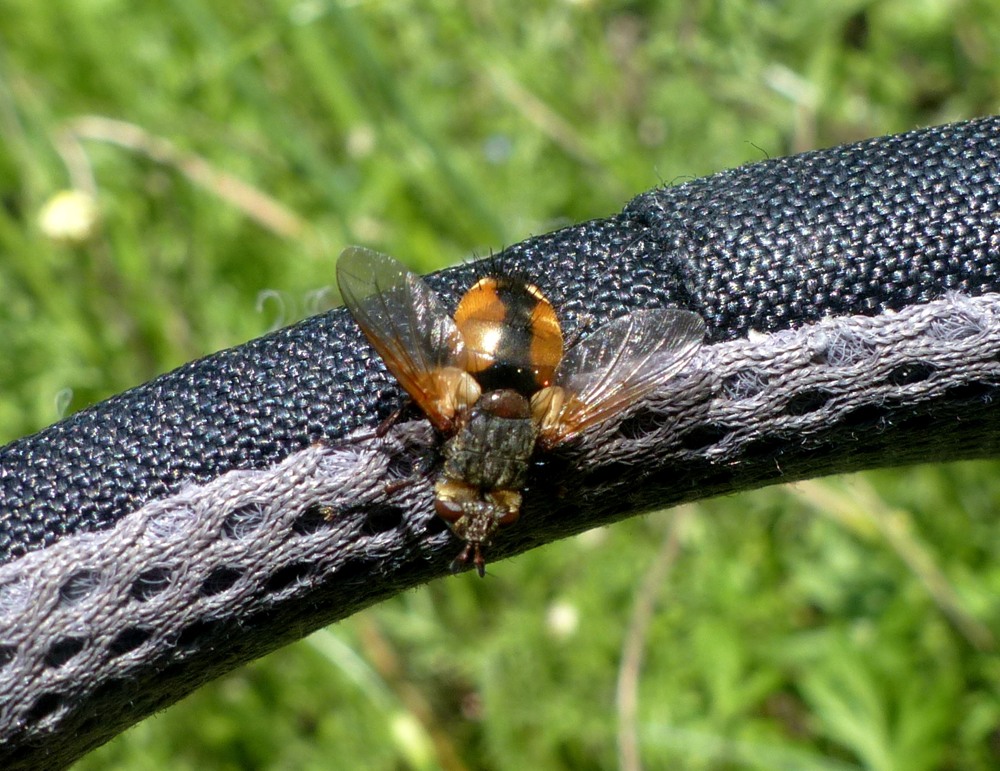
x=406, y=324
x=618, y=364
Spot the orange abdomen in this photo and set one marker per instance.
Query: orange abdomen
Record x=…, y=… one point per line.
x=511, y=334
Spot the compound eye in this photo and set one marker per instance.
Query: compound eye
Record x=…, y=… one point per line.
x=509, y=517
x=507, y=506
x=450, y=511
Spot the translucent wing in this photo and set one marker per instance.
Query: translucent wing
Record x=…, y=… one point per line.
x=618, y=364
x=406, y=324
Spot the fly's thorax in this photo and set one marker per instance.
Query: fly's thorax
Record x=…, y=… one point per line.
x=512, y=338
x=493, y=447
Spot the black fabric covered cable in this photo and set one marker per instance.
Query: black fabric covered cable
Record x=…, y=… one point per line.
x=858, y=229
x=899, y=237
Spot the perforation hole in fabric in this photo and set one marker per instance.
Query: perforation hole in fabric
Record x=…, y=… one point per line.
x=128, y=639
x=806, y=401
x=402, y=465
x=703, y=436
x=766, y=445
x=958, y=325
x=45, y=706
x=434, y=525
x=243, y=520
x=312, y=520
x=7, y=653
x=78, y=585
x=642, y=423
x=193, y=634
x=150, y=582
x=382, y=519
x=972, y=392
x=62, y=650
x=909, y=373
x=866, y=417
x=355, y=569
x=287, y=576
x=744, y=384
x=219, y=580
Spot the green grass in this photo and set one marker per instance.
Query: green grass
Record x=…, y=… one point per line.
x=850, y=623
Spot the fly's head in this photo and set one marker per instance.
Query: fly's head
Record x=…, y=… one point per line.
x=474, y=516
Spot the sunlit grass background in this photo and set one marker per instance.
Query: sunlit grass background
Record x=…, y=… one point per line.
x=232, y=148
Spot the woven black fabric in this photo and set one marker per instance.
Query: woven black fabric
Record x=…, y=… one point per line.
x=853, y=230
x=857, y=230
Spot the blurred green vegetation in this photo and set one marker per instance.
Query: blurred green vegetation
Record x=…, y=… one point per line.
x=232, y=148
